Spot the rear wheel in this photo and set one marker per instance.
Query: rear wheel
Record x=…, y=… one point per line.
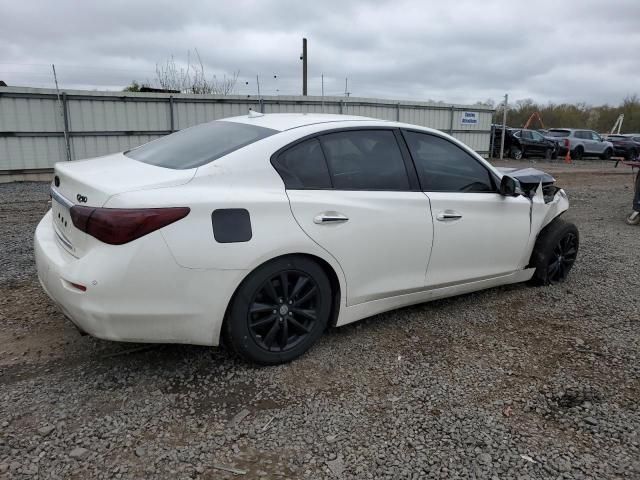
x=578, y=153
x=632, y=155
x=555, y=252
x=279, y=311
x=607, y=154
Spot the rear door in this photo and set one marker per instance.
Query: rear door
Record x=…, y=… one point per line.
x=587, y=141
x=354, y=195
x=540, y=143
x=478, y=233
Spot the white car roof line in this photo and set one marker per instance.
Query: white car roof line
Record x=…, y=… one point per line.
x=335, y=121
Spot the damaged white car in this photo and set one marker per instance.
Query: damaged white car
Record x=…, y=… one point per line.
x=263, y=230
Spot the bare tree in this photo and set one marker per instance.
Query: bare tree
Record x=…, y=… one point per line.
x=192, y=78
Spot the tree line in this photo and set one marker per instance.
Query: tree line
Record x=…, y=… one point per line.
x=580, y=115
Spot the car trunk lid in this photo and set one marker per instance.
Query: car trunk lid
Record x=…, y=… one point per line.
x=92, y=182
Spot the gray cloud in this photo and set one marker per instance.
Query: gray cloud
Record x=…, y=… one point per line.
x=461, y=51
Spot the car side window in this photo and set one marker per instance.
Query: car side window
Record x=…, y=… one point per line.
x=445, y=167
x=365, y=160
x=595, y=136
x=537, y=136
x=526, y=134
x=303, y=167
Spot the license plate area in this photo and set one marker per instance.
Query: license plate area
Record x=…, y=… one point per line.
x=62, y=224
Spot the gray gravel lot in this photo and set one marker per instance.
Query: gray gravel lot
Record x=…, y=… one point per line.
x=513, y=382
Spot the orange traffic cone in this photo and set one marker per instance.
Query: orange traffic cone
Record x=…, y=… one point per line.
x=567, y=157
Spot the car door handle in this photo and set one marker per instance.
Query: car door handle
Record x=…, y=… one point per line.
x=448, y=215
x=329, y=217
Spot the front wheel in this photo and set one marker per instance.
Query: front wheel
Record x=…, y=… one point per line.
x=555, y=252
x=632, y=155
x=607, y=154
x=279, y=311
x=517, y=153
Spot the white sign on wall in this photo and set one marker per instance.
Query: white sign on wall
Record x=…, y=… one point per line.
x=469, y=118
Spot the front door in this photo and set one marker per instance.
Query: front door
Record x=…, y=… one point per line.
x=478, y=233
x=350, y=192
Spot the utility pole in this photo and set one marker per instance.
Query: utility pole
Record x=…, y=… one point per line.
x=303, y=57
x=504, y=125
x=346, y=87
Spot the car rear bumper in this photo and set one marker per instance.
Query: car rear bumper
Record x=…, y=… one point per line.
x=134, y=292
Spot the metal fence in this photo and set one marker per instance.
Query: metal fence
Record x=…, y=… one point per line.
x=39, y=128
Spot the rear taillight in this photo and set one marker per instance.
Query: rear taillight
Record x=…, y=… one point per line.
x=122, y=225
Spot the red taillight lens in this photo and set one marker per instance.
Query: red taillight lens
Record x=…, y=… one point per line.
x=122, y=225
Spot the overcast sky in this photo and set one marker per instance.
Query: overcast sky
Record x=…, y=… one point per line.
x=459, y=51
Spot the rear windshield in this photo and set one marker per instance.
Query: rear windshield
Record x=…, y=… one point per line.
x=199, y=145
x=559, y=133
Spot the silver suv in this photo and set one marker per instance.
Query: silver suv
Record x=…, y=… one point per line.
x=582, y=143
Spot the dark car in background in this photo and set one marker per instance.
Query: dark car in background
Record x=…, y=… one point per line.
x=627, y=146
x=522, y=143
x=531, y=143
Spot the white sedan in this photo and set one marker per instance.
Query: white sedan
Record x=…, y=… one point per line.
x=263, y=230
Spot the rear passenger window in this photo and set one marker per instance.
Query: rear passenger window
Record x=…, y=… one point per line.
x=444, y=167
x=365, y=160
x=303, y=167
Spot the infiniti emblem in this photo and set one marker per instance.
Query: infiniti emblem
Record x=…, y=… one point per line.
x=81, y=198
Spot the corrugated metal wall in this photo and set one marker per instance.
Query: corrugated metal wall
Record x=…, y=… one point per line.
x=32, y=121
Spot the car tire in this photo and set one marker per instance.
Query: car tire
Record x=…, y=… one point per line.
x=632, y=155
x=279, y=311
x=607, y=154
x=555, y=252
x=578, y=153
x=516, y=153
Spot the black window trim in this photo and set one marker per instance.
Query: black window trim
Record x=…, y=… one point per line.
x=412, y=175
x=495, y=181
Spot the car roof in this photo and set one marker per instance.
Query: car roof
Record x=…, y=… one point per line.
x=287, y=121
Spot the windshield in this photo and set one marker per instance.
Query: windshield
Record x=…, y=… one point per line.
x=199, y=145
x=559, y=133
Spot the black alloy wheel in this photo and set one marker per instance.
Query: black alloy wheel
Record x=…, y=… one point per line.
x=279, y=311
x=283, y=311
x=563, y=258
x=555, y=252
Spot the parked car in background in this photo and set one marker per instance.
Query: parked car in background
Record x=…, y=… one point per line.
x=263, y=230
x=625, y=146
x=581, y=143
x=530, y=143
x=521, y=143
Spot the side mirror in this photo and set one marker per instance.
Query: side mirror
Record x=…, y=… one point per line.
x=509, y=186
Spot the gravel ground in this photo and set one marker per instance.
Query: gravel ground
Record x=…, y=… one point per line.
x=513, y=382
